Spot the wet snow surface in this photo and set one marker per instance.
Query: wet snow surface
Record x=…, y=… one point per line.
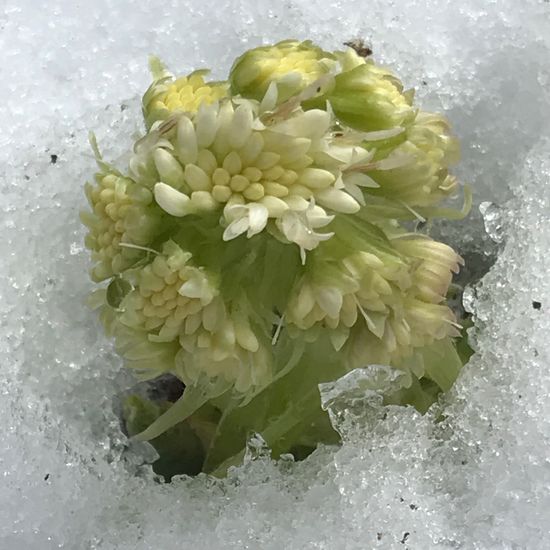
x=472, y=473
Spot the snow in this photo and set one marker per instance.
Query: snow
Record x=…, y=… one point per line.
x=472, y=473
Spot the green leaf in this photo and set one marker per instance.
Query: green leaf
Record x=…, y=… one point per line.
x=180, y=449
x=287, y=413
x=116, y=291
x=193, y=398
x=442, y=363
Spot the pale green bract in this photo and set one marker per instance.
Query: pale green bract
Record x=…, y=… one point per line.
x=260, y=242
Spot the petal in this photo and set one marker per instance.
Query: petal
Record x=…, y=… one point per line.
x=304, y=303
x=291, y=225
x=360, y=154
x=253, y=147
x=206, y=123
x=213, y=315
x=337, y=200
x=342, y=153
x=240, y=128
x=356, y=193
x=169, y=169
x=395, y=160
x=315, y=178
x=207, y=161
x=197, y=178
x=225, y=117
x=317, y=123
x=270, y=98
x=266, y=160
x=295, y=229
x=186, y=141
x=235, y=228
x=312, y=124
x=376, y=322
x=275, y=206
x=245, y=336
x=294, y=149
x=234, y=212
x=193, y=288
x=193, y=322
x=383, y=134
x=291, y=79
x=300, y=163
x=257, y=216
x=170, y=200
x=320, y=237
x=232, y=163
x=359, y=179
x=203, y=200
x=330, y=299
x=317, y=217
x=296, y=203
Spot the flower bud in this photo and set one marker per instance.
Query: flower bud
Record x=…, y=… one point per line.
x=123, y=221
x=168, y=95
x=169, y=169
x=291, y=64
x=367, y=97
x=426, y=180
x=171, y=200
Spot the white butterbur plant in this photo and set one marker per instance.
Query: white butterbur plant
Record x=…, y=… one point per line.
x=266, y=239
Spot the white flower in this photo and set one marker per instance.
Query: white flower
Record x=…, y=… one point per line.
x=198, y=286
x=166, y=293
x=224, y=156
x=248, y=218
x=354, y=182
x=298, y=225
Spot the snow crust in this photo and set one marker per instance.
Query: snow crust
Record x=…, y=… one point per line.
x=474, y=472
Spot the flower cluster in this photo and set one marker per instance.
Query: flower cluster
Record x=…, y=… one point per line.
x=166, y=94
x=172, y=300
x=123, y=217
x=382, y=305
x=271, y=212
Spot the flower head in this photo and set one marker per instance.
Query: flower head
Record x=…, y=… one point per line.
x=261, y=221
x=123, y=220
x=412, y=168
x=186, y=94
x=368, y=97
x=174, y=302
x=292, y=65
x=388, y=300
x=222, y=344
x=165, y=293
x=282, y=176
